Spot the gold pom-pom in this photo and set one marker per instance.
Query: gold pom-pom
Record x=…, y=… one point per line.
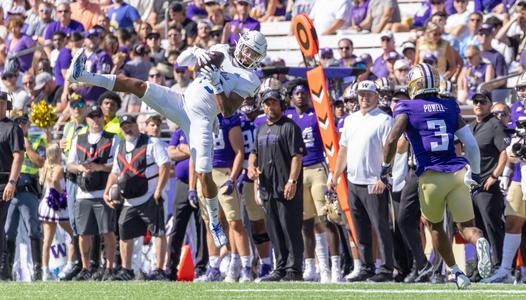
x=43, y=115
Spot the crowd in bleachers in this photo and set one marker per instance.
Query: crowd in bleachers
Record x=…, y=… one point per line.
x=470, y=43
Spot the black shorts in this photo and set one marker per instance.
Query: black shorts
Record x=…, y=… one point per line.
x=134, y=220
x=94, y=217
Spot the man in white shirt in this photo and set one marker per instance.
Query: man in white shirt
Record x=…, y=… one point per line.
x=364, y=135
x=91, y=158
x=140, y=169
x=328, y=19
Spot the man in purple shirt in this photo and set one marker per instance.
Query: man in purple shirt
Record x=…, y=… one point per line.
x=243, y=23
x=196, y=10
x=63, y=59
x=380, y=64
x=123, y=15
x=485, y=35
x=64, y=22
x=314, y=179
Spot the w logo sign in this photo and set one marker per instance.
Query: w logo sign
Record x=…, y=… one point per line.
x=58, y=250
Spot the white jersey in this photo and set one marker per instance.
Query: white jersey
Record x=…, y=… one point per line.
x=199, y=96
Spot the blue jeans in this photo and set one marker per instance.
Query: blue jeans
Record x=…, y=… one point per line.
x=71, y=189
x=24, y=204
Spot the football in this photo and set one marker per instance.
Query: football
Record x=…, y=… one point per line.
x=216, y=59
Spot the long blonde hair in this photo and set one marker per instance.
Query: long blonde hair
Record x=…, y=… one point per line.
x=53, y=158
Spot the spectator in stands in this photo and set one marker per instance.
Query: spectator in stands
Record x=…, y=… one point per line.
x=28, y=80
x=502, y=112
x=401, y=69
x=49, y=90
x=177, y=17
x=92, y=162
x=474, y=73
x=37, y=29
x=139, y=63
x=409, y=51
x=427, y=9
x=31, y=14
x=328, y=19
x=123, y=15
x=242, y=23
x=388, y=46
x=440, y=18
x=502, y=48
x=140, y=170
x=358, y=13
x=183, y=77
x=512, y=33
x=144, y=30
x=61, y=56
x=153, y=41
x=175, y=40
x=298, y=7
x=216, y=15
x=196, y=10
x=381, y=16
x=203, y=34
x=345, y=49
x=486, y=6
x=86, y=13
x=110, y=103
x=110, y=45
x=326, y=57
x=104, y=22
x=365, y=61
x=18, y=41
x=432, y=43
x=456, y=23
x=485, y=36
x=153, y=126
x=63, y=23
x=9, y=84
x=475, y=21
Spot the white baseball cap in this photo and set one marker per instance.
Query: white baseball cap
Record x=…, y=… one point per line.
x=402, y=64
x=366, y=86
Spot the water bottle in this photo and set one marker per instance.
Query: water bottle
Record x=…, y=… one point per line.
x=56, y=272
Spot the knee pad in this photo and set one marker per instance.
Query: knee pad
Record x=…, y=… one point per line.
x=260, y=238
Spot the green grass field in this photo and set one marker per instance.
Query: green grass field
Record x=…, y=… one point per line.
x=167, y=290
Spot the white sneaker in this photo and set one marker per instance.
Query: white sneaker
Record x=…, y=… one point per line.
x=336, y=276
x=325, y=276
x=355, y=272
x=462, y=281
x=77, y=66
x=47, y=275
x=233, y=273
x=499, y=277
x=310, y=275
x=484, y=265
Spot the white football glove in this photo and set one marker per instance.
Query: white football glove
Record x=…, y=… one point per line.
x=201, y=56
x=212, y=74
x=469, y=181
x=504, y=182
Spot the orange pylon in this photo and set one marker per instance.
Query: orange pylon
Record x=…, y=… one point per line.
x=186, y=265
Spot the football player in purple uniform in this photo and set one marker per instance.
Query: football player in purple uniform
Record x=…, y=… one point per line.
x=431, y=124
x=314, y=179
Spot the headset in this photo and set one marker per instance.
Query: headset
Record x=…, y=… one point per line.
x=276, y=94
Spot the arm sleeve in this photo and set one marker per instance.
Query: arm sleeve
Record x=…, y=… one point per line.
x=17, y=139
x=159, y=153
x=472, y=149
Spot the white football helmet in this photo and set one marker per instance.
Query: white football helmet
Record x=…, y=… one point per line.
x=251, y=40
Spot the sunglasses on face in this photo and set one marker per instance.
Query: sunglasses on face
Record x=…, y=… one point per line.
x=481, y=102
x=153, y=38
x=215, y=34
x=501, y=113
x=180, y=71
x=156, y=75
x=484, y=33
x=65, y=11
x=77, y=104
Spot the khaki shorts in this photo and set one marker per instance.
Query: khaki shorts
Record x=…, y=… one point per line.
x=314, y=187
x=230, y=205
x=438, y=190
x=254, y=211
x=515, y=206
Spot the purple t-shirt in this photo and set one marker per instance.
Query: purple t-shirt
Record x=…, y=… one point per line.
x=422, y=15
x=223, y=152
x=63, y=61
x=475, y=76
x=124, y=15
x=340, y=122
x=181, y=170
x=497, y=60
x=249, y=135
x=55, y=26
x=24, y=42
x=247, y=25
x=308, y=122
x=260, y=120
x=485, y=6
x=431, y=131
x=380, y=66
x=193, y=11
x=517, y=111
x=358, y=13
x=99, y=62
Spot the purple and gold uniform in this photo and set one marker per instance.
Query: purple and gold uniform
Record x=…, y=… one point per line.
x=180, y=167
x=339, y=123
x=254, y=211
x=223, y=159
x=515, y=206
x=96, y=62
x=431, y=128
x=314, y=168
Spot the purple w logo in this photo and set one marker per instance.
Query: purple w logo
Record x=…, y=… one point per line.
x=58, y=250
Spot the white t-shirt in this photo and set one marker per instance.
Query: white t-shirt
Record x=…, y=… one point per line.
x=365, y=136
x=156, y=155
x=324, y=13
x=93, y=138
x=458, y=19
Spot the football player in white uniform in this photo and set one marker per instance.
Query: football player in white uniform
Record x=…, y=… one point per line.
x=215, y=90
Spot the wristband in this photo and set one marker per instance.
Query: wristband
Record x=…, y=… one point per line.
x=292, y=181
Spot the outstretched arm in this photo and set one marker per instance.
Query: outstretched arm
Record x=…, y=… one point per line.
x=394, y=136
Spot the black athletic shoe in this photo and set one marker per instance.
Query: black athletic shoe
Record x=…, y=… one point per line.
x=410, y=278
x=109, y=275
x=272, y=277
x=381, y=277
x=125, y=275
x=425, y=273
x=97, y=274
x=72, y=273
x=37, y=274
x=362, y=276
x=84, y=275
x=159, y=275
x=292, y=276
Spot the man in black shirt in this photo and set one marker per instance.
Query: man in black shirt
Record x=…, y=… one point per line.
x=489, y=203
x=277, y=162
x=11, y=157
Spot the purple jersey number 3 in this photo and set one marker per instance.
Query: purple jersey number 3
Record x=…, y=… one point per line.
x=440, y=131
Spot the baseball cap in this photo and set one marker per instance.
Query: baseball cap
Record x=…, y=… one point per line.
x=486, y=28
x=392, y=55
x=93, y=111
x=326, y=53
x=387, y=34
x=366, y=86
x=153, y=34
x=408, y=45
x=21, y=118
x=482, y=96
x=127, y=118
x=96, y=31
x=401, y=91
x=176, y=7
x=41, y=79
x=270, y=94
x=139, y=49
x=402, y=64
x=250, y=2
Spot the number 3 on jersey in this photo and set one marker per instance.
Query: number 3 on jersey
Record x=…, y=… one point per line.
x=440, y=131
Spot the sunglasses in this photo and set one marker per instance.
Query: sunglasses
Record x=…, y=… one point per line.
x=215, y=34
x=180, y=71
x=153, y=37
x=501, y=113
x=77, y=104
x=45, y=11
x=62, y=11
x=481, y=102
x=156, y=75
x=344, y=48
x=484, y=33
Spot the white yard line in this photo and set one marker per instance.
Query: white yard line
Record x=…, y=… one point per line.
x=370, y=291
